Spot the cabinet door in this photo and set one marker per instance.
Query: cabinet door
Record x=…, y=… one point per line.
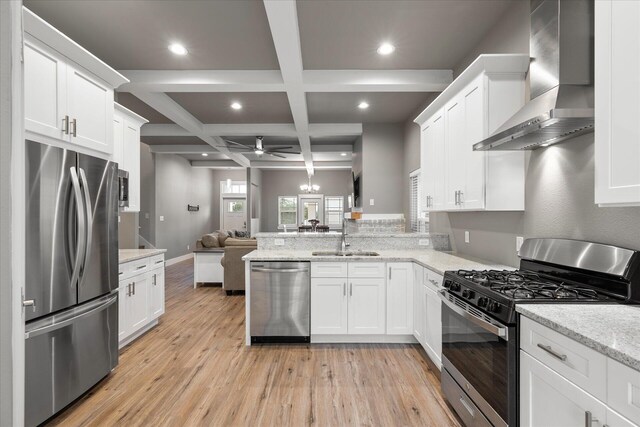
x=400, y=298
x=433, y=331
x=549, y=400
x=139, y=301
x=118, y=140
x=123, y=311
x=472, y=196
x=156, y=289
x=419, y=308
x=329, y=306
x=433, y=157
x=427, y=173
x=90, y=104
x=617, y=106
x=44, y=90
x=366, y=306
x=132, y=163
x=455, y=153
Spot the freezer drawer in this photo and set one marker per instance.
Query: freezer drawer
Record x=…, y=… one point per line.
x=280, y=301
x=67, y=354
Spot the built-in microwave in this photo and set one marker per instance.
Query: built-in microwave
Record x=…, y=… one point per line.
x=123, y=188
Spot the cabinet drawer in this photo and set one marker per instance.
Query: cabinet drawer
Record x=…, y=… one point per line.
x=433, y=280
x=134, y=267
x=156, y=261
x=328, y=269
x=579, y=364
x=623, y=389
x=366, y=269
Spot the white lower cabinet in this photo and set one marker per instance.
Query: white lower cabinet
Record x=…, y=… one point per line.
x=564, y=383
x=140, y=297
x=400, y=298
x=419, y=304
x=329, y=305
x=350, y=305
x=433, y=328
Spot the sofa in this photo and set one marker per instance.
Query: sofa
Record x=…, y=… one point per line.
x=235, y=245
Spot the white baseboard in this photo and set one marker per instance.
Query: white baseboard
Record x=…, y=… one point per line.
x=363, y=339
x=137, y=334
x=178, y=259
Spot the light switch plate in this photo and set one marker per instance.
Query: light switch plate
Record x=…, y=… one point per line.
x=423, y=242
x=118, y=218
x=371, y=202
x=466, y=237
x=161, y=217
x=278, y=242
x=519, y=242
x=146, y=215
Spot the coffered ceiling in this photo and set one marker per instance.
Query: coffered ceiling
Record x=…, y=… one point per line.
x=298, y=69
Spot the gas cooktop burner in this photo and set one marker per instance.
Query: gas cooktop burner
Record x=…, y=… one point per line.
x=529, y=285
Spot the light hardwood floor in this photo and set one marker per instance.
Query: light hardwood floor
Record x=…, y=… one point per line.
x=194, y=369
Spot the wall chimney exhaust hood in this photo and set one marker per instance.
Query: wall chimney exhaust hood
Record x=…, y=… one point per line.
x=561, y=76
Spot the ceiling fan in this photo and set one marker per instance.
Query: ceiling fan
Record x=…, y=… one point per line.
x=259, y=149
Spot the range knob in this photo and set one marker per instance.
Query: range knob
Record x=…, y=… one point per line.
x=454, y=286
x=467, y=293
x=494, y=307
x=482, y=302
x=447, y=284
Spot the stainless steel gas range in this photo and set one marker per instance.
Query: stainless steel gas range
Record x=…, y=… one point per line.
x=480, y=324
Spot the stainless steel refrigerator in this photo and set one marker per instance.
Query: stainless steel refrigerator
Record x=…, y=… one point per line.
x=71, y=331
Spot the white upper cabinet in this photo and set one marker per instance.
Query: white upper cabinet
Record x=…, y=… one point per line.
x=68, y=95
x=617, y=102
x=126, y=151
x=481, y=99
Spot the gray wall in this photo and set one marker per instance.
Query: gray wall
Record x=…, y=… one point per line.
x=254, y=193
x=146, y=218
x=287, y=183
x=559, y=182
x=378, y=158
x=178, y=184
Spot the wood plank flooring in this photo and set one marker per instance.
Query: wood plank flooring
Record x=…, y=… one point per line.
x=193, y=369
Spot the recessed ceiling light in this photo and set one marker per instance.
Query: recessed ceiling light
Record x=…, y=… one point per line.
x=236, y=105
x=204, y=154
x=363, y=105
x=386, y=49
x=178, y=49
x=343, y=154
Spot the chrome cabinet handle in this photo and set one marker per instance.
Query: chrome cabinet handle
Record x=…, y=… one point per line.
x=129, y=289
x=434, y=282
x=350, y=289
x=159, y=262
x=389, y=273
x=460, y=193
x=552, y=352
x=344, y=289
x=140, y=267
x=467, y=406
x=588, y=419
x=456, y=198
x=65, y=125
x=155, y=280
x=134, y=287
x=75, y=127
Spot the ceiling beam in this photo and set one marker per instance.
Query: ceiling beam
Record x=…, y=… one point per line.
x=283, y=22
x=316, y=130
x=332, y=148
x=215, y=164
x=172, y=110
x=274, y=164
x=202, y=81
x=376, y=80
x=182, y=149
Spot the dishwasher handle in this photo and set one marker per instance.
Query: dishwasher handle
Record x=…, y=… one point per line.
x=279, y=270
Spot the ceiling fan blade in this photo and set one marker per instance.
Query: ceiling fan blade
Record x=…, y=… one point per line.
x=237, y=143
x=271, y=153
x=282, y=152
x=232, y=148
x=278, y=147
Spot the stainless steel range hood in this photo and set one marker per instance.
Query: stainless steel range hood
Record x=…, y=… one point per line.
x=561, y=75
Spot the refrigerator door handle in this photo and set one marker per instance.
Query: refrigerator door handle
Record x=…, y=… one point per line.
x=80, y=239
x=89, y=219
x=73, y=316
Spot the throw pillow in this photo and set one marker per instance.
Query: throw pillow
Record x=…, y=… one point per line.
x=210, y=241
x=241, y=233
x=222, y=237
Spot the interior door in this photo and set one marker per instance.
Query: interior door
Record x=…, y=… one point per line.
x=51, y=220
x=234, y=216
x=99, y=183
x=310, y=207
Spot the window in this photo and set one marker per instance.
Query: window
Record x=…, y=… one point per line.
x=414, y=197
x=236, y=206
x=287, y=211
x=333, y=210
x=233, y=187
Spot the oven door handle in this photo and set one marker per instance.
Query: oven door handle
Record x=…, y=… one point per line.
x=501, y=332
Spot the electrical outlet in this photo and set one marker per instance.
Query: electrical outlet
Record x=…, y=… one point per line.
x=519, y=242
x=466, y=237
x=278, y=242
x=188, y=247
x=423, y=242
x=161, y=218
x=146, y=215
x=372, y=202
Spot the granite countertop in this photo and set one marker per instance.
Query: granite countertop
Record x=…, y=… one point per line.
x=613, y=330
x=332, y=233
x=434, y=260
x=126, y=255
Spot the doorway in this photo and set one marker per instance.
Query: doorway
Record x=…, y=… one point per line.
x=310, y=207
x=234, y=213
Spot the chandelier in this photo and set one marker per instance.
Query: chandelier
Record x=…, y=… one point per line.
x=309, y=188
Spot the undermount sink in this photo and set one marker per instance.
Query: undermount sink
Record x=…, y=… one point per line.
x=339, y=253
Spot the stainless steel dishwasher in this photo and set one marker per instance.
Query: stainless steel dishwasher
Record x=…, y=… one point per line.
x=280, y=302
